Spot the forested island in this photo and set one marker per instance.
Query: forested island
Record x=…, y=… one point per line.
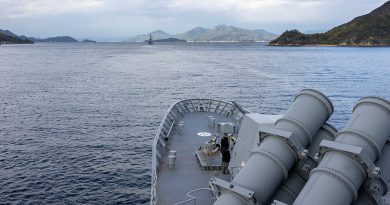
x=372, y=29
x=6, y=39
x=168, y=40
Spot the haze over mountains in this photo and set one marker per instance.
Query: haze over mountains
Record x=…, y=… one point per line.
x=218, y=33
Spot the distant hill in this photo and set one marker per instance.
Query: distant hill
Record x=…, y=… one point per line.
x=218, y=33
x=25, y=39
x=7, y=37
x=88, y=41
x=169, y=40
x=57, y=39
x=155, y=34
x=226, y=33
x=372, y=29
x=8, y=33
x=192, y=34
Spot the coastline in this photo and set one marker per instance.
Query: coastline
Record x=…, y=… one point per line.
x=327, y=45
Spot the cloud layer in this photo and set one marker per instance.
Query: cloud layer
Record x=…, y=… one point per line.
x=123, y=18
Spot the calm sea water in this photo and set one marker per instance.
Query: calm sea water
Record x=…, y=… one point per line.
x=77, y=120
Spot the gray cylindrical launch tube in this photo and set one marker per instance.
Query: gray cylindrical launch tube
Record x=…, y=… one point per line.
x=289, y=190
x=271, y=162
x=339, y=175
x=384, y=165
x=326, y=132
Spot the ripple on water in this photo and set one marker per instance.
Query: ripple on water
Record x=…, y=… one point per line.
x=77, y=121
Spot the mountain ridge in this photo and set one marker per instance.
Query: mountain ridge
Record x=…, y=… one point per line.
x=7, y=37
x=157, y=34
x=57, y=39
x=372, y=29
x=26, y=39
x=217, y=33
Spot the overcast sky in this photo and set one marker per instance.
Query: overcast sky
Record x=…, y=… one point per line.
x=116, y=19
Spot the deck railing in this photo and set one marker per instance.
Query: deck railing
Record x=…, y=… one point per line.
x=174, y=114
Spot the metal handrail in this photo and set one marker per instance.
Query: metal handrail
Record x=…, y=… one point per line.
x=153, y=200
x=243, y=110
x=156, y=139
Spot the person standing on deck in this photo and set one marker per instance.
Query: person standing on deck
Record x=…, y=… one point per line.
x=225, y=153
x=225, y=142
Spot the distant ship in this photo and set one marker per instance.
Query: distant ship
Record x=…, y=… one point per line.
x=150, y=41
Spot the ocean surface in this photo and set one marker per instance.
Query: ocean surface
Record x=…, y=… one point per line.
x=77, y=120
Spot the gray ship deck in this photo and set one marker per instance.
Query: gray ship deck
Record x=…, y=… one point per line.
x=187, y=175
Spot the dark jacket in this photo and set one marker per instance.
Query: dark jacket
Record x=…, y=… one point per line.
x=225, y=143
x=225, y=155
